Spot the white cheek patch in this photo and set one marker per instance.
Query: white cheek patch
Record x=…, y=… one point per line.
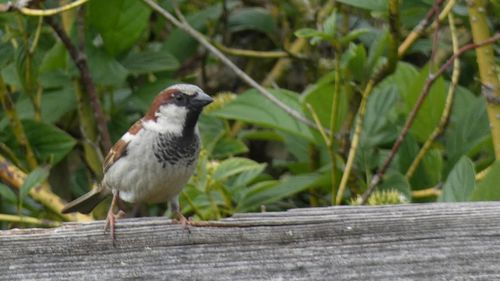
x=169, y=119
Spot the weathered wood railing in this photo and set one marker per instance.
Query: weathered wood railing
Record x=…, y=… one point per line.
x=405, y=242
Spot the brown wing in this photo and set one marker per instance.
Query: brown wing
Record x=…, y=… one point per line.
x=120, y=148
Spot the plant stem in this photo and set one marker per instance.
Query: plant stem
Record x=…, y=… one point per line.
x=80, y=61
x=28, y=220
x=448, y=105
x=17, y=126
x=487, y=69
x=250, y=53
x=355, y=140
x=49, y=12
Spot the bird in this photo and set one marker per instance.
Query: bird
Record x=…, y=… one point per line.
x=154, y=159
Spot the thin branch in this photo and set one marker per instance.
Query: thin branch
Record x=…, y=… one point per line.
x=81, y=63
x=17, y=126
x=250, y=53
x=355, y=141
x=333, y=124
x=28, y=220
x=186, y=27
x=422, y=26
x=411, y=118
x=428, y=192
x=447, y=108
x=48, y=12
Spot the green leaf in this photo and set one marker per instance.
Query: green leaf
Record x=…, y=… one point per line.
x=468, y=127
x=270, y=192
x=228, y=147
x=55, y=103
x=354, y=59
x=353, y=35
x=488, y=189
x=320, y=97
x=372, y=5
x=430, y=113
x=254, y=18
x=36, y=177
x=120, y=22
x=330, y=24
x=7, y=193
x=105, y=69
x=181, y=44
x=428, y=172
x=234, y=166
x=404, y=73
x=56, y=58
x=6, y=54
x=253, y=108
x=378, y=128
x=460, y=182
x=150, y=61
x=308, y=33
x=433, y=165
x=48, y=141
x=376, y=51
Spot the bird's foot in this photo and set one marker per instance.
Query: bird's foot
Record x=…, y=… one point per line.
x=182, y=220
x=110, y=223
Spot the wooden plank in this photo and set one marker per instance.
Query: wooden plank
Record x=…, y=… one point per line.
x=404, y=242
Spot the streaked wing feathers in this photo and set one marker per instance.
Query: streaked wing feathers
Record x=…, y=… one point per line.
x=120, y=148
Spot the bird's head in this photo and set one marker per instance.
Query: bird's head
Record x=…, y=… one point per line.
x=177, y=108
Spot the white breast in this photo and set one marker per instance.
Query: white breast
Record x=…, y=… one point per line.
x=141, y=178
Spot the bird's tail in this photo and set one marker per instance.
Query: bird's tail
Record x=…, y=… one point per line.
x=87, y=202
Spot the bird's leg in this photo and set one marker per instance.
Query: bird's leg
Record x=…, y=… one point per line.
x=111, y=218
x=178, y=216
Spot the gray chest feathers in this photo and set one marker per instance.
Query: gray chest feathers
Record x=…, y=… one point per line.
x=176, y=150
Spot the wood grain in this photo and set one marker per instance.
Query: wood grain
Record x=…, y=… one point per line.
x=404, y=242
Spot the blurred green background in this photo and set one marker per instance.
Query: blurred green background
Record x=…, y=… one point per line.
x=317, y=57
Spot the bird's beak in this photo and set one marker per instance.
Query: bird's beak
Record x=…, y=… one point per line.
x=201, y=100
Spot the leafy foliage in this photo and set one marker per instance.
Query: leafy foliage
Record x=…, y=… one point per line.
x=255, y=155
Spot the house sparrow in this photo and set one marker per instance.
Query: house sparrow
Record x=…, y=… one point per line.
x=153, y=161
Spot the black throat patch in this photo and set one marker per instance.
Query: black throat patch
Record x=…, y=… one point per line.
x=171, y=149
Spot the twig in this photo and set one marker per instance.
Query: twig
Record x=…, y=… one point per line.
x=13, y=176
x=421, y=27
x=48, y=12
x=315, y=117
x=333, y=123
x=447, y=108
x=435, y=39
x=185, y=26
x=428, y=192
x=411, y=118
x=28, y=220
x=81, y=63
x=17, y=126
x=250, y=53
x=355, y=141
